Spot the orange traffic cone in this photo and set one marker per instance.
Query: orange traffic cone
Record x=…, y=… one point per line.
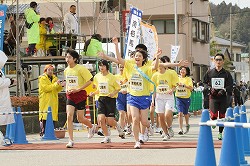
x=87, y=113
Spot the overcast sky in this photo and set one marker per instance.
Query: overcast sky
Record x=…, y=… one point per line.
x=240, y=3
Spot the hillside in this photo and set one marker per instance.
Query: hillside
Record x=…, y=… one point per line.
x=240, y=22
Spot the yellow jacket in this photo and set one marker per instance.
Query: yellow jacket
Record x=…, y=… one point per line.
x=48, y=96
x=43, y=32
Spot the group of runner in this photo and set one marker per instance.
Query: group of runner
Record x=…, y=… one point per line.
x=140, y=85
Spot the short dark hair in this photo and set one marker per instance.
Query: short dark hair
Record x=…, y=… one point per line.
x=142, y=46
x=165, y=59
x=72, y=6
x=144, y=54
x=219, y=54
x=49, y=19
x=103, y=62
x=42, y=19
x=74, y=54
x=33, y=4
x=97, y=37
x=187, y=70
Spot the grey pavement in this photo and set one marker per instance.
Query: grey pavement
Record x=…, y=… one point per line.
x=175, y=156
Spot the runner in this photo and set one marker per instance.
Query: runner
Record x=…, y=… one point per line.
x=77, y=79
x=107, y=88
x=183, y=93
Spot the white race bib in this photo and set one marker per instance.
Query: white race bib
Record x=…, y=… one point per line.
x=124, y=87
x=72, y=82
x=218, y=83
x=103, y=87
x=136, y=83
x=181, y=91
x=162, y=89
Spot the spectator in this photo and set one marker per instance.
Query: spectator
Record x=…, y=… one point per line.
x=236, y=94
x=10, y=41
x=43, y=31
x=51, y=44
x=32, y=18
x=49, y=87
x=93, y=45
x=71, y=26
x=5, y=103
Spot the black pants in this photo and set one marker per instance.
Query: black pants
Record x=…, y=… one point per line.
x=71, y=42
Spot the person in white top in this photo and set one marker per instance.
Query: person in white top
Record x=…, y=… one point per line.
x=5, y=103
x=71, y=26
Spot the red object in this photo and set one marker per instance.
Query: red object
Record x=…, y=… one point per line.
x=77, y=97
x=125, y=17
x=87, y=113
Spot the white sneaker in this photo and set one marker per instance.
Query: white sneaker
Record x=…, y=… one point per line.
x=146, y=137
x=157, y=130
x=141, y=138
x=162, y=135
x=171, y=132
x=120, y=131
x=166, y=138
x=106, y=140
x=70, y=144
x=137, y=145
x=91, y=131
x=129, y=130
x=151, y=130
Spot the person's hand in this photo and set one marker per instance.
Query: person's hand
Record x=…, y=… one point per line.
x=115, y=40
x=111, y=95
x=159, y=52
x=5, y=41
x=183, y=63
x=213, y=92
x=152, y=103
x=221, y=92
x=101, y=55
x=58, y=82
x=170, y=91
x=72, y=91
x=91, y=94
x=124, y=92
x=63, y=83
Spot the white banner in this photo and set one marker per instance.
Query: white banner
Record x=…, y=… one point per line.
x=150, y=39
x=133, y=33
x=174, y=52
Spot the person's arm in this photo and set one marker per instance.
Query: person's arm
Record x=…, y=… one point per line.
x=66, y=21
x=118, y=54
x=181, y=63
x=106, y=57
x=156, y=64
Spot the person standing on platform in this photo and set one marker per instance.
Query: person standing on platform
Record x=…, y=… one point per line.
x=5, y=102
x=78, y=78
x=41, y=47
x=71, y=26
x=33, y=34
x=10, y=41
x=220, y=84
x=49, y=87
x=93, y=45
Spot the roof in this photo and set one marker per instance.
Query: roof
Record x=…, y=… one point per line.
x=221, y=41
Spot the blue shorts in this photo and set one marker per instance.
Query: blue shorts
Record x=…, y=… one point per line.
x=140, y=102
x=182, y=105
x=128, y=98
x=121, y=102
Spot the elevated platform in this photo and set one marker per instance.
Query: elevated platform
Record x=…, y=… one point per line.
x=47, y=60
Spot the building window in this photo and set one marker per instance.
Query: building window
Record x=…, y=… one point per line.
x=200, y=31
x=238, y=57
x=164, y=26
x=195, y=29
x=113, y=5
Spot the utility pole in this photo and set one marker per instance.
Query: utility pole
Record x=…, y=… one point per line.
x=175, y=23
x=231, y=43
x=19, y=71
x=121, y=26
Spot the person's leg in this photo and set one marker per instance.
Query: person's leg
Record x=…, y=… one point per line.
x=135, y=122
x=122, y=116
x=70, y=113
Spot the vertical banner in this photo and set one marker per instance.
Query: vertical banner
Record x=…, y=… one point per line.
x=150, y=39
x=174, y=52
x=3, y=9
x=133, y=32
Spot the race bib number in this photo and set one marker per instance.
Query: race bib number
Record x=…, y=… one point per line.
x=181, y=91
x=124, y=87
x=162, y=89
x=103, y=88
x=136, y=83
x=218, y=83
x=72, y=82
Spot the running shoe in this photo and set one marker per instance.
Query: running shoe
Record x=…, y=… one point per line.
x=70, y=144
x=106, y=140
x=137, y=145
x=220, y=136
x=146, y=137
x=213, y=127
x=91, y=131
x=120, y=131
x=151, y=130
x=166, y=137
x=180, y=132
x=157, y=130
x=129, y=130
x=171, y=132
x=141, y=138
x=187, y=129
